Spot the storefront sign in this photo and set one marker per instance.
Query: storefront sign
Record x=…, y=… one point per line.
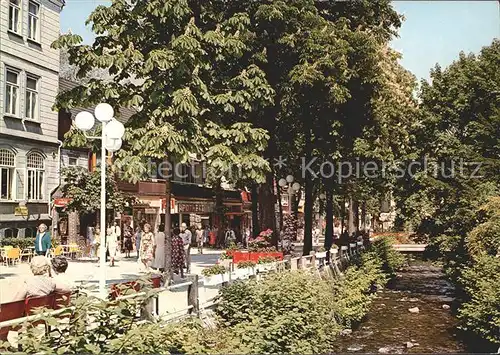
x=196, y=207
x=61, y=202
x=21, y=211
x=150, y=211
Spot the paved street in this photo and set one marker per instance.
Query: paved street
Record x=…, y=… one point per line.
x=88, y=272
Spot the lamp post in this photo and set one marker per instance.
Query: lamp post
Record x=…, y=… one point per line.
x=111, y=139
x=292, y=189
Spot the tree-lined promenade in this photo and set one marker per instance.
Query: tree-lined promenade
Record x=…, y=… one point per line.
x=246, y=83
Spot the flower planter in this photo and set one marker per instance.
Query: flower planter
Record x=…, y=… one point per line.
x=242, y=273
x=225, y=262
x=239, y=256
x=266, y=267
x=360, y=243
x=352, y=245
x=256, y=256
x=215, y=280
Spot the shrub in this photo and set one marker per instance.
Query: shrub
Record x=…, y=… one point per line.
x=392, y=260
x=22, y=243
x=352, y=294
x=485, y=237
x=481, y=312
x=246, y=264
x=284, y=313
x=95, y=326
x=267, y=260
x=214, y=270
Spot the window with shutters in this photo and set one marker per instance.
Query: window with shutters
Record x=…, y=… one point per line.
x=35, y=176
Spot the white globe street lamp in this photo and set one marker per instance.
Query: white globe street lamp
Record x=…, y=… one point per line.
x=84, y=121
x=113, y=145
x=104, y=112
x=111, y=139
x=115, y=129
x=292, y=189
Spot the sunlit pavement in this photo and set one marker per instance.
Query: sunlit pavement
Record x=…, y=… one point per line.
x=124, y=269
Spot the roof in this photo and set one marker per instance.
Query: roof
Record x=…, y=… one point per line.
x=66, y=85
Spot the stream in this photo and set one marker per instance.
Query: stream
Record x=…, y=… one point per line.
x=390, y=327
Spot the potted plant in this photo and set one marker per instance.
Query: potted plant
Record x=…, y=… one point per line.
x=266, y=263
x=261, y=247
x=214, y=275
x=225, y=260
x=245, y=268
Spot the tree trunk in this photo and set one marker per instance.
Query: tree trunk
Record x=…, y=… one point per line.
x=363, y=216
x=356, y=215
x=255, y=211
x=329, y=220
x=266, y=207
x=278, y=189
x=308, y=216
x=168, y=233
x=220, y=216
x=351, y=227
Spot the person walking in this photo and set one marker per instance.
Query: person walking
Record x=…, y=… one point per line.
x=43, y=241
x=200, y=238
x=186, y=236
x=147, y=247
x=159, y=262
x=96, y=242
x=229, y=237
x=178, y=253
x=137, y=237
x=127, y=240
x=111, y=245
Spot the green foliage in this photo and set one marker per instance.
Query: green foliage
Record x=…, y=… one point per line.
x=267, y=260
x=192, y=81
x=213, y=270
x=22, y=243
x=246, y=264
x=284, y=313
x=485, y=237
x=480, y=313
x=391, y=259
x=84, y=190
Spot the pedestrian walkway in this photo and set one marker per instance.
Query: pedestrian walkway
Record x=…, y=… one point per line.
x=125, y=268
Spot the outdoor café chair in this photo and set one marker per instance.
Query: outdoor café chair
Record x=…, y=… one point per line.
x=28, y=253
x=12, y=256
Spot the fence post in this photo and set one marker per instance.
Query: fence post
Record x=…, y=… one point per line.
x=193, y=297
x=300, y=264
x=313, y=259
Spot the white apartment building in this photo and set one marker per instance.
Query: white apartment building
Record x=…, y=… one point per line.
x=29, y=146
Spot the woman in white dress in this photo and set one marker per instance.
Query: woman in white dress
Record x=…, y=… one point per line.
x=112, y=245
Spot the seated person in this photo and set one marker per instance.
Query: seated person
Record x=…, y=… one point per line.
x=63, y=283
x=38, y=285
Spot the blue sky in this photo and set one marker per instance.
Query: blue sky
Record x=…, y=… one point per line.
x=433, y=32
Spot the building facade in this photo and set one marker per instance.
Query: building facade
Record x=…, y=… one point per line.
x=29, y=145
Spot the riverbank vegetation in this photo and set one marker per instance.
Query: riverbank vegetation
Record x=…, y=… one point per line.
x=287, y=312
x=458, y=212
